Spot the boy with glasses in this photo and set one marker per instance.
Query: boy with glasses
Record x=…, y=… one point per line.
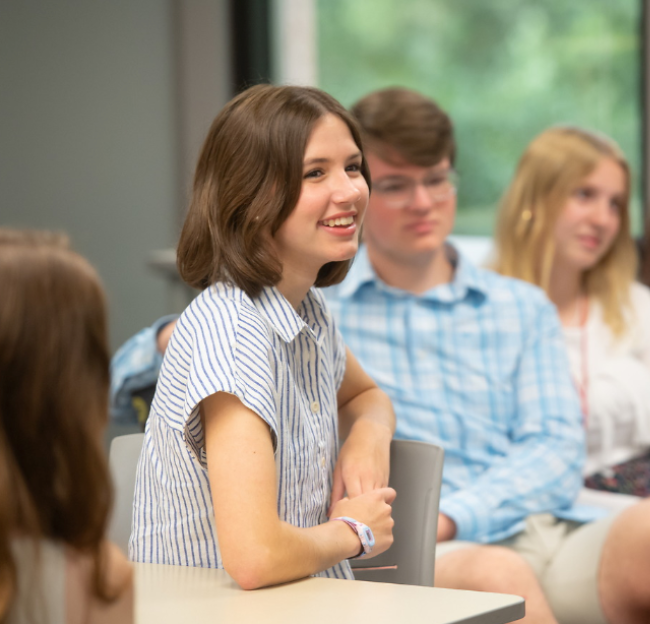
x=475, y=362
x=399, y=191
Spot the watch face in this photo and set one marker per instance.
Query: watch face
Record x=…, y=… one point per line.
x=370, y=538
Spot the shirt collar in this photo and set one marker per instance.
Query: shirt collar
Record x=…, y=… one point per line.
x=360, y=273
x=467, y=279
x=287, y=322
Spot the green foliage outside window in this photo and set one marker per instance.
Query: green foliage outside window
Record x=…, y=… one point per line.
x=504, y=69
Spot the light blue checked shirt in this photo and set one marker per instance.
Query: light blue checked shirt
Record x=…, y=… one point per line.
x=477, y=366
x=134, y=367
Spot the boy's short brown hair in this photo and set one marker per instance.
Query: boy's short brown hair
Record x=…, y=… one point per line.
x=398, y=124
x=247, y=182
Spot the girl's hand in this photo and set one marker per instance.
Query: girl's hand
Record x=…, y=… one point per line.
x=374, y=510
x=363, y=464
x=367, y=423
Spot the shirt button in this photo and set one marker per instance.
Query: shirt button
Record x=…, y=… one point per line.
x=315, y=406
x=322, y=462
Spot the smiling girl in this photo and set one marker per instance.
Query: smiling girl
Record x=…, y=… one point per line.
x=564, y=225
x=240, y=463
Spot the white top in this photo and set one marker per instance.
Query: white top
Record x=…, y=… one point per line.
x=41, y=574
x=285, y=366
x=618, y=382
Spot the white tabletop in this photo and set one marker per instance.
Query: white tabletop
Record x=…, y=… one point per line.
x=175, y=594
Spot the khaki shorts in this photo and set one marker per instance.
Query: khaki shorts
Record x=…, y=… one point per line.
x=565, y=557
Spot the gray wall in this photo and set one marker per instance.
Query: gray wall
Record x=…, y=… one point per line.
x=89, y=137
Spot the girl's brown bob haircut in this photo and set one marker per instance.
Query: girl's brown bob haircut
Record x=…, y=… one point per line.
x=247, y=182
x=54, y=358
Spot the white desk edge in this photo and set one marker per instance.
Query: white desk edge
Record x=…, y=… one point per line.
x=172, y=594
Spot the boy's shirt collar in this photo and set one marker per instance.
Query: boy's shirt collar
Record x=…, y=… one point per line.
x=467, y=279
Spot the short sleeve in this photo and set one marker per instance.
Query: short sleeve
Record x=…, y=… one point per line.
x=218, y=346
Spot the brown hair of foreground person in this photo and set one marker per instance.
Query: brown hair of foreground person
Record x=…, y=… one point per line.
x=54, y=358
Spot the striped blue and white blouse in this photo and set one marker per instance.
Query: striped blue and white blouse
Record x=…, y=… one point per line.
x=284, y=365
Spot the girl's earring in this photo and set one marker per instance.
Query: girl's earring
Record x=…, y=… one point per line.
x=525, y=220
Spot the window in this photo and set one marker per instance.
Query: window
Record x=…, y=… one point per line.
x=505, y=70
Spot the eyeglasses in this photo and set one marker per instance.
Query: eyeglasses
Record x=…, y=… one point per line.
x=398, y=192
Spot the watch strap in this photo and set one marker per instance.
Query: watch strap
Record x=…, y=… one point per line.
x=364, y=533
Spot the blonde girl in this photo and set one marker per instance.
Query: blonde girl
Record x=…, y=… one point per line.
x=564, y=225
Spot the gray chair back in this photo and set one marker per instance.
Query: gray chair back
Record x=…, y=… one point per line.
x=416, y=476
x=123, y=462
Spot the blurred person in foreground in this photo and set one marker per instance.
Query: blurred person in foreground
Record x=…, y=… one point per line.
x=55, y=564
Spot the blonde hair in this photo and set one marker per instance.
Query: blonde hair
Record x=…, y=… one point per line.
x=552, y=166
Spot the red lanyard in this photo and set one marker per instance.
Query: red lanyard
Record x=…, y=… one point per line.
x=583, y=385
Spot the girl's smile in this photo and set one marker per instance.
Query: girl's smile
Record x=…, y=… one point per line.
x=340, y=225
x=324, y=225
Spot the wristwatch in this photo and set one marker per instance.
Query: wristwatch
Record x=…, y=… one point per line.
x=364, y=533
